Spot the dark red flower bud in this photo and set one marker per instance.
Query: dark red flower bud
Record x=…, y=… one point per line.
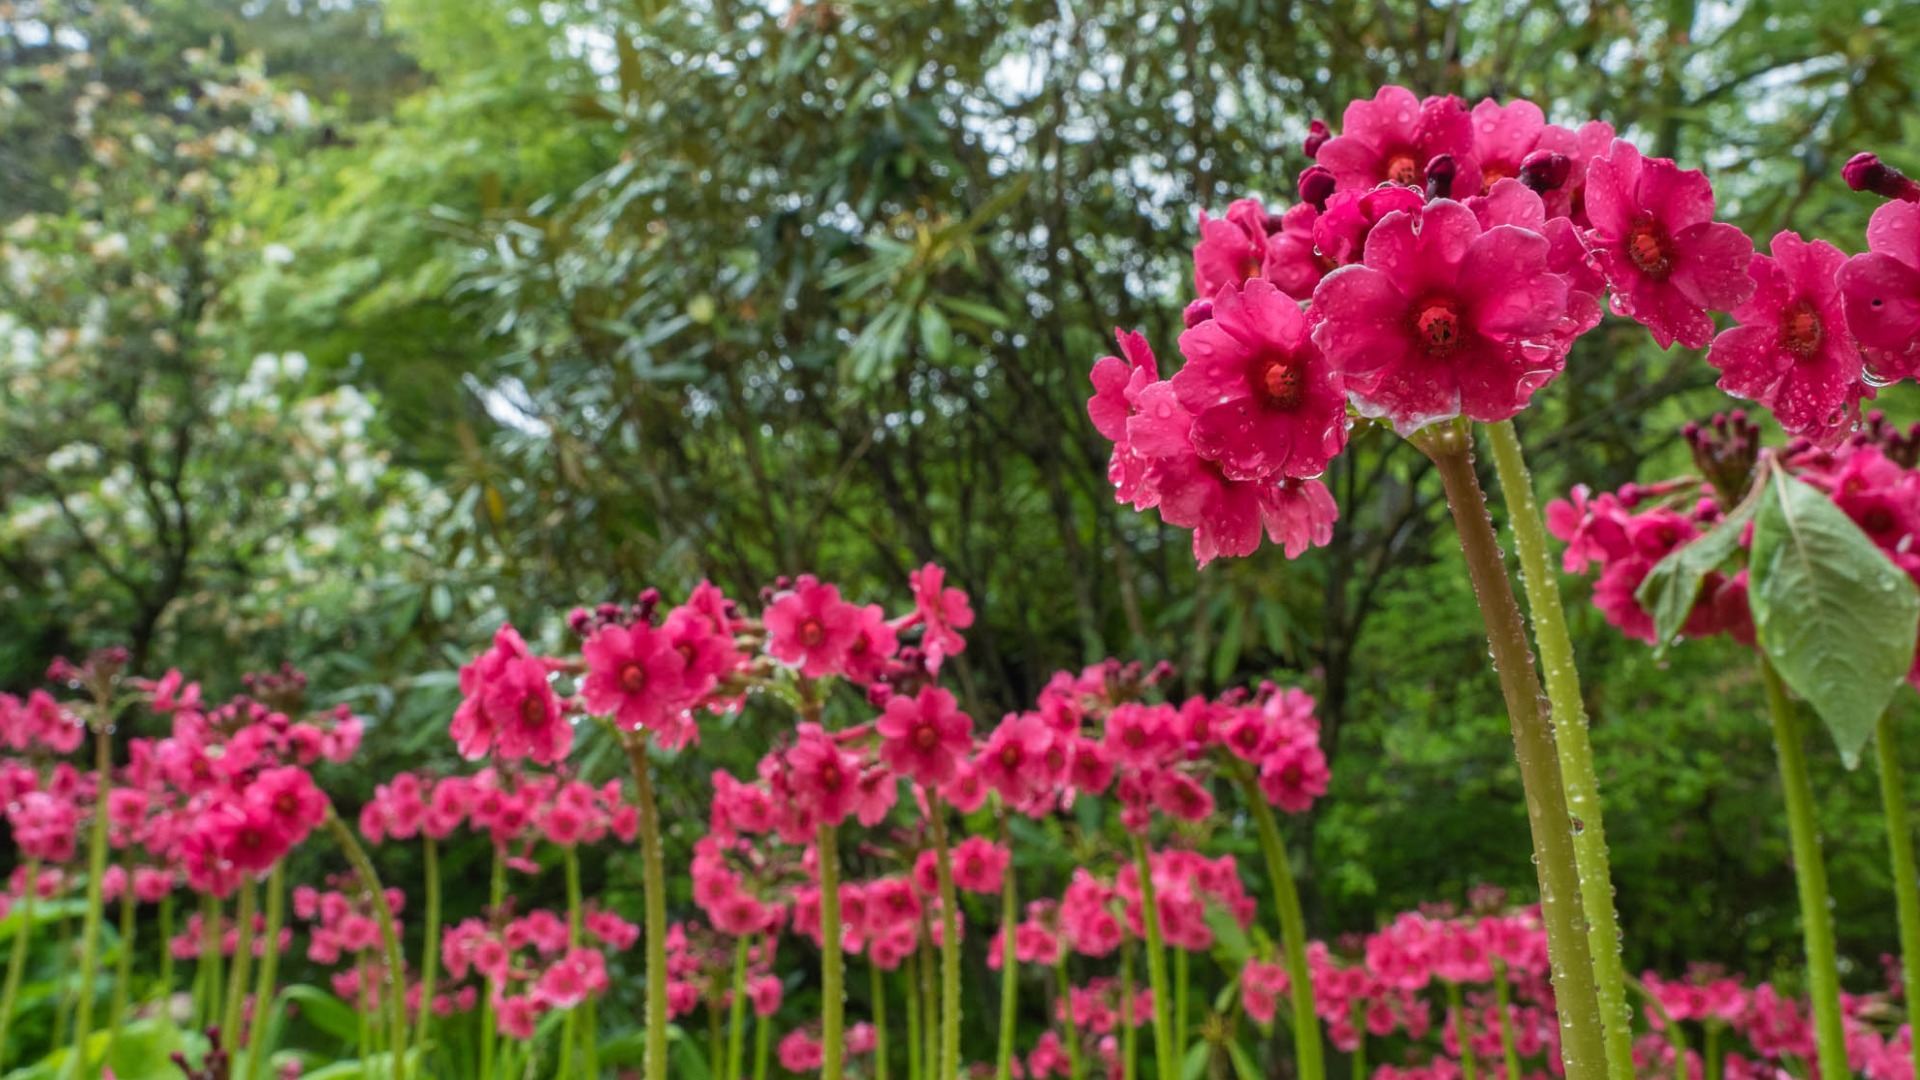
x=1440, y=173
x=1316, y=186
x=1198, y=312
x=1317, y=136
x=1866, y=172
x=1545, y=170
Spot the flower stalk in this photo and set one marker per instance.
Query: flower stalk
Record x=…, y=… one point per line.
x=1309, y=1054
x=1906, y=883
x=654, y=885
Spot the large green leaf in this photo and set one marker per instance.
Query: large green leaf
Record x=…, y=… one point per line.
x=1673, y=585
x=324, y=1011
x=1833, y=613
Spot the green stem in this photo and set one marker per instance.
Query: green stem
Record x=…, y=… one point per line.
x=1503, y=998
x=123, y=966
x=96, y=870
x=166, y=947
x=1163, y=1053
x=1180, y=974
x=716, y=1050
x=878, y=989
x=654, y=885
x=212, y=941
x=364, y=1012
x=1810, y=873
x=949, y=950
x=1712, y=1050
x=1129, y=1039
x=394, y=993
x=1009, y=961
x=1309, y=1053
x=264, y=989
x=230, y=1017
x=928, y=997
x=1066, y=1012
x=17, y=955
x=910, y=970
x=1577, y=775
x=762, y=1040
x=1360, y=1040
x=1583, y=1047
x=1469, y=1065
x=833, y=1003
x=430, y=946
x=489, y=1035
x=1906, y=883
x=569, y=1033
x=737, y=1011
x=63, y=994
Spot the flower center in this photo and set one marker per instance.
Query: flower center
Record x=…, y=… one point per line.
x=1800, y=328
x=1403, y=169
x=1438, y=324
x=925, y=737
x=286, y=805
x=1879, y=520
x=1649, y=247
x=633, y=678
x=533, y=712
x=830, y=776
x=812, y=633
x=1492, y=172
x=1011, y=755
x=1279, y=381
x=1290, y=774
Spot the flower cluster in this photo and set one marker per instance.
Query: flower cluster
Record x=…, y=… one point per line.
x=536, y=963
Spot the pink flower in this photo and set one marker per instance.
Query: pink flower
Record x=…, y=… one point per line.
x=1231, y=249
x=634, y=675
x=874, y=645
x=1792, y=351
x=1264, y=402
x=801, y=1052
x=811, y=628
x=942, y=611
x=979, y=865
x=1882, y=290
x=1666, y=261
x=1014, y=760
x=1504, y=135
x=825, y=778
x=1261, y=985
x=925, y=737
x=508, y=706
x=1293, y=776
x=1139, y=735
x=1393, y=137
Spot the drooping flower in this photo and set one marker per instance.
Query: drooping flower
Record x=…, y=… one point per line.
x=1264, y=402
x=1394, y=136
x=1444, y=319
x=1792, y=351
x=1666, y=261
x=1882, y=290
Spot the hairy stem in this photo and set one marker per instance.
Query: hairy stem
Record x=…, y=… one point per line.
x=17, y=955
x=96, y=871
x=654, y=885
x=737, y=1010
x=263, y=990
x=833, y=1003
x=1009, y=962
x=949, y=950
x=1906, y=884
x=1163, y=1051
x=394, y=993
x=1308, y=1052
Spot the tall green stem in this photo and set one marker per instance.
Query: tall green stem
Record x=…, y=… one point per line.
x=430, y=950
x=1163, y=1051
x=762, y=1039
x=1066, y=1012
x=928, y=996
x=949, y=949
x=1810, y=874
x=1583, y=1047
x=63, y=984
x=264, y=989
x=212, y=941
x=1308, y=1051
x=1129, y=1038
x=123, y=966
x=1180, y=975
x=1906, y=883
x=1577, y=775
x=394, y=993
x=1503, y=999
x=230, y=1017
x=1009, y=961
x=489, y=1035
x=166, y=948
x=878, y=990
x=569, y=1033
x=654, y=885
x=737, y=1010
x=1469, y=1065
x=96, y=870
x=1359, y=1008
x=17, y=955
x=833, y=1043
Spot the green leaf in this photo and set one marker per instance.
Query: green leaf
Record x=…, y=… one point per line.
x=1671, y=588
x=985, y=314
x=936, y=334
x=688, y=1061
x=1195, y=1066
x=1834, y=614
x=1243, y=1065
x=1226, y=655
x=324, y=1011
x=1228, y=937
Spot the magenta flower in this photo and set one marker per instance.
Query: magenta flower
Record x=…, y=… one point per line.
x=1263, y=400
x=634, y=675
x=1392, y=138
x=1503, y=136
x=925, y=737
x=811, y=628
x=942, y=611
x=1667, y=262
x=825, y=779
x=508, y=706
x=1792, y=351
x=1882, y=290
x=1444, y=319
x=1231, y=249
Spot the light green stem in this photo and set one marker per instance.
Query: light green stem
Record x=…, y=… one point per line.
x=265, y=988
x=569, y=1033
x=1577, y=775
x=737, y=1011
x=1009, y=961
x=654, y=886
x=1712, y=1050
x=364, y=1013
x=230, y=1017
x=909, y=970
x=63, y=992
x=1359, y=1008
x=1583, y=1046
x=489, y=1034
x=1180, y=976
x=878, y=988
x=1129, y=1038
x=762, y=1040
x=1810, y=873
x=430, y=951
x=96, y=870
x=394, y=993
x=1906, y=883
x=17, y=955
x=123, y=966
x=1469, y=1065
x=949, y=950
x=1308, y=1051
x=1503, y=999
x=716, y=1046
x=1163, y=1052
x=1073, y=1026
x=212, y=941
x=166, y=947
x=928, y=997
x=833, y=1043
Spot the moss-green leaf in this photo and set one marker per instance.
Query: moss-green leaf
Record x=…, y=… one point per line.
x=1673, y=585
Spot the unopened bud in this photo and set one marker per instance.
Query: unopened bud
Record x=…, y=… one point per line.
x=1317, y=136
x=1866, y=172
x=1440, y=173
x=1545, y=170
x=1316, y=186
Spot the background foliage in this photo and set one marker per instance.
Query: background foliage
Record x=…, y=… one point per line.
x=337, y=332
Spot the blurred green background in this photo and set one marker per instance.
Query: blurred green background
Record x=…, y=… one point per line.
x=337, y=332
